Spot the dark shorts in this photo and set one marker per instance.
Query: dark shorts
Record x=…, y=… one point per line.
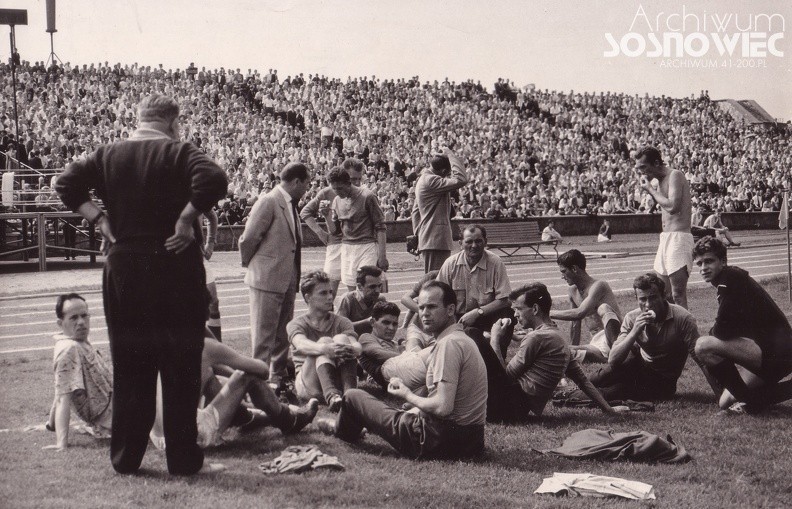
x=776, y=355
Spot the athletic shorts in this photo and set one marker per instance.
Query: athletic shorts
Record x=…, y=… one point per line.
x=674, y=252
x=776, y=356
x=208, y=421
x=354, y=256
x=332, y=265
x=600, y=342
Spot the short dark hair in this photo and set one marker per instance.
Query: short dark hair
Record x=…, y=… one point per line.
x=646, y=281
x=338, y=175
x=571, y=258
x=534, y=293
x=62, y=299
x=712, y=245
x=381, y=309
x=354, y=164
x=310, y=280
x=652, y=155
x=449, y=296
x=473, y=227
x=294, y=171
x=366, y=270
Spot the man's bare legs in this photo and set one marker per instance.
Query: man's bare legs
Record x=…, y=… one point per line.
x=676, y=286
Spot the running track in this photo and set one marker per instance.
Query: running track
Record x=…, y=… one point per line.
x=27, y=325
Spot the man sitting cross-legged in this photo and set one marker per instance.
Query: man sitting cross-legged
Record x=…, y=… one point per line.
x=524, y=385
x=749, y=349
x=592, y=300
x=383, y=359
x=647, y=359
x=324, y=344
x=249, y=377
x=449, y=421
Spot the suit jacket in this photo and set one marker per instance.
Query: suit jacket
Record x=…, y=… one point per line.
x=431, y=213
x=268, y=244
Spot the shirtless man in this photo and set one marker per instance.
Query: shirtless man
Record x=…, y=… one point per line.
x=674, y=259
x=593, y=301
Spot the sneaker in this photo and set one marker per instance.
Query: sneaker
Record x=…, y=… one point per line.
x=211, y=468
x=303, y=416
x=738, y=408
x=334, y=404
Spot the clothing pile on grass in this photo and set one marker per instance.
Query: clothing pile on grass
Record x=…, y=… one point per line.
x=300, y=458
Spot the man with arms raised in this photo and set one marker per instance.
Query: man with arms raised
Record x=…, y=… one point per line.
x=449, y=421
x=674, y=260
x=749, y=349
x=592, y=300
x=431, y=212
x=310, y=212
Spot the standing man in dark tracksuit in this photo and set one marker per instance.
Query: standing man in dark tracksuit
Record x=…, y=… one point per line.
x=154, y=188
x=431, y=212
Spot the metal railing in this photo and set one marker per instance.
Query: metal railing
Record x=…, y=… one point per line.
x=34, y=235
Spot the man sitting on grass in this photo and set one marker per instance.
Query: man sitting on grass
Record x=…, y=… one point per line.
x=749, y=349
x=383, y=359
x=249, y=377
x=647, y=359
x=83, y=380
x=592, y=300
x=524, y=385
x=356, y=305
x=449, y=421
x=324, y=344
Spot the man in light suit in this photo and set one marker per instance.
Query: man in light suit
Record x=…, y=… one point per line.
x=431, y=212
x=270, y=248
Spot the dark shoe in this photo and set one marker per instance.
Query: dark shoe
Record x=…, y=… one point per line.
x=286, y=393
x=303, y=416
x=334, y=403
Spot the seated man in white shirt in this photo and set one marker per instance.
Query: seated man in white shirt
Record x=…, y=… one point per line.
x=550, y=233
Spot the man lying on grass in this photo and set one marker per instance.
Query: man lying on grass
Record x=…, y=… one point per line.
x=523, y=386
x=249, y=377
x=84, y=382
x=449, y=421
x=749, y=349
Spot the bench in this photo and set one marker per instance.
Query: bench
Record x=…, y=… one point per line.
x=509, y=238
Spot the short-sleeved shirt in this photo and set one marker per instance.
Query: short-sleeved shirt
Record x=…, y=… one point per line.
x=540, y=362
x=353, y=307
x=487, y=281
x=664, y=347
x=456, y=360
x=301, y=325
x=360, y=216
x=311, y=209
x=79, y=366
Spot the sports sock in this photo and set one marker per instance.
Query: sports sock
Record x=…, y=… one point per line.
x=726, y=373
x=764, y=396
x=327, y=380
x=217, y=331
x=612, y=329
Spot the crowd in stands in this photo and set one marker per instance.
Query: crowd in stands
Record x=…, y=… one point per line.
x=529, y=152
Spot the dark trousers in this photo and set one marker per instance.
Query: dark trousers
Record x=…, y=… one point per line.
x=633, y=379
x=155, y=304
x=413, y=435
x=506, y=401
x=434, y=258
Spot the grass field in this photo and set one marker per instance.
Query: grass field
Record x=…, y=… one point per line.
x=737, y=461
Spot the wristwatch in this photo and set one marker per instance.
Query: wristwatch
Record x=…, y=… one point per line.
x=480, y=311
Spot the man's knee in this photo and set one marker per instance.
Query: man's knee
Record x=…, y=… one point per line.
x=606, y=313
x=341, y=339
x=707, y=348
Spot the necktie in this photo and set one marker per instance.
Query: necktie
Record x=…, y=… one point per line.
x=298, y=237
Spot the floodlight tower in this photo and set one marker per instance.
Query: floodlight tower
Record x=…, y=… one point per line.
x=13, y=17
x=51, y=30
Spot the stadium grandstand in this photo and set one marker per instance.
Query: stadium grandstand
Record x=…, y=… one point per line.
x=531, y=152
